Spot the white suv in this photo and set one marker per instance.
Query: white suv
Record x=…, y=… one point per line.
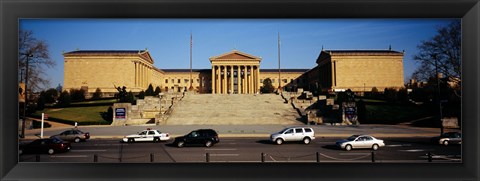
x=304, y=134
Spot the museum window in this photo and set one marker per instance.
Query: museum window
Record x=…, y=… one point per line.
x=284, y=80
x=166, y=81
x=185, y=80
x=178, y=81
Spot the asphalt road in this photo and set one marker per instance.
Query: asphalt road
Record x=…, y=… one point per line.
x=238, y=150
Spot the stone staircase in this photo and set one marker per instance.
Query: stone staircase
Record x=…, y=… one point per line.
x=234, y=109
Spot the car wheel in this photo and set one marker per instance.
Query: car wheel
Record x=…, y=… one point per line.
x=375, y=147
x=279, y=141
x=348, y=147
x=180, y=144
x=156, y=139
x=445, y=143
x=76, y=140
x=208, y=143
x=131, y=140
x=51, y=151
x=306, y=140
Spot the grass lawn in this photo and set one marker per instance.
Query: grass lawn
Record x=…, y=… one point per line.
x=393, y=114
x=90, y=115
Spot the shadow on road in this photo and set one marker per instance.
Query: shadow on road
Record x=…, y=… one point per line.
x=331, y=147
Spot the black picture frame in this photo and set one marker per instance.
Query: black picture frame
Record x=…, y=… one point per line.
x=12, y=11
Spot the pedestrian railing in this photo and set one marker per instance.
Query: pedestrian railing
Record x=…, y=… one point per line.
x=263, y=158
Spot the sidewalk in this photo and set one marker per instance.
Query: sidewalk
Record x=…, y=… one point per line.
x=247, y=131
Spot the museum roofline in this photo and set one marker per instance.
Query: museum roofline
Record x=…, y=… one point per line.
x=105, y=52
x=261, y=70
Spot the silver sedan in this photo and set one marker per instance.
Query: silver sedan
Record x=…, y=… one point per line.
x=360, y=141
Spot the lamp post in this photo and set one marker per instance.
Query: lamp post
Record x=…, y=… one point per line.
x=438, y=91
x=28, y=55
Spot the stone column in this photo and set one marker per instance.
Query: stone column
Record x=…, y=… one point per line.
x=239, y=78
x=244, y=80
x=136, y=81
x=231, y=80
x=258, y=80
x=224, y=81
x=213, y=80
x=333, y=73
x=250, y=82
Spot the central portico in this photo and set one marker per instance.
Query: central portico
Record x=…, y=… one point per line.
x=235, y=72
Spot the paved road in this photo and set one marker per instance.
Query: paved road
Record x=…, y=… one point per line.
x=257, y=131
x=410, y=150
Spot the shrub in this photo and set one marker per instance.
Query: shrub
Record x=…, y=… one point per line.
x=97, y=95
x=64, y=99
x=267, y=86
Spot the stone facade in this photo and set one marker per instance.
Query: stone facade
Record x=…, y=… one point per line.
x=337, y=70
x=360, y=70
x=109, y=69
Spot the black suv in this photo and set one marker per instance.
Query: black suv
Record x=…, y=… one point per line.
x=207, y=137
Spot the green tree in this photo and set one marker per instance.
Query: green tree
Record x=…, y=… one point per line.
x=149, y=91
x=50, y=95
x=64, y=99
x=97, y=94
x=41, y=101
x=157, y=91
x=77, y=94
x=141, y=95
x=130, y=98
x=267, y=86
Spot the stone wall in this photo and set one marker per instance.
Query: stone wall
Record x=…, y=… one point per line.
x=150, y=110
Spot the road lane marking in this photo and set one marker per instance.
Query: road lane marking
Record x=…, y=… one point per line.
x=220, y=149
x=398, y=145
x=70, y=156
x=215, y=154
x=87, y=150
x=414, y=150
x=355, y=154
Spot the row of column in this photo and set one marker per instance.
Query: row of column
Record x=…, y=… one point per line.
x=142, y=75
x=223, y=79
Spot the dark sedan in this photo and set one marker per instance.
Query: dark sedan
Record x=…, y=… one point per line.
x=206, y=137
x=448, y=138
x=48, y=145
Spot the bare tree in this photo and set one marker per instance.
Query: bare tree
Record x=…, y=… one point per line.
x=441, y=54
x=36, y=52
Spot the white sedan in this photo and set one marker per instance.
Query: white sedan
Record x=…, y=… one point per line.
x=360, y=141
x=147, y=135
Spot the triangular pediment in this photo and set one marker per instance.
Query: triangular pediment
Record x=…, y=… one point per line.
x=235, y=55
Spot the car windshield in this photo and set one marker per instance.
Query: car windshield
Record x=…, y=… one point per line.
x=351, y=138
x=283, y=130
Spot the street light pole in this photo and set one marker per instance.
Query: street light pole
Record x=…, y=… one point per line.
x=26, y=94
x=438, y=91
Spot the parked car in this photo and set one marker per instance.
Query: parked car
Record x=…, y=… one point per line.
x=304, y=134
x=206, y=137
x=74, y=135
x=147, y=135
x=47, y=145
x=449, y=138
x=360, y=141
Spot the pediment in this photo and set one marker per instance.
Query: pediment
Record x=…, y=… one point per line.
x=235, y=55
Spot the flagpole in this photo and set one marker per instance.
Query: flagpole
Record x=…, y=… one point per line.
x=279, y=77
x=191, y=80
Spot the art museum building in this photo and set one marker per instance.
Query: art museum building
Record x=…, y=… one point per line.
x=233, y=72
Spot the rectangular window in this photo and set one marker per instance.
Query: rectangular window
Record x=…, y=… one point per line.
x=284, y=80
x=178, y=81
x=166, y=89
x=185, y=80
x=166, y=81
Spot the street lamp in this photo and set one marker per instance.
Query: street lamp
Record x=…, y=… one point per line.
x=27, y=55
x=438, y=91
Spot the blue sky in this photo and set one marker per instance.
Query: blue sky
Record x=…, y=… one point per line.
x=168, y=39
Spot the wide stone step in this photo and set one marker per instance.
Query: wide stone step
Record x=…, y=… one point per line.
x=208, y=109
